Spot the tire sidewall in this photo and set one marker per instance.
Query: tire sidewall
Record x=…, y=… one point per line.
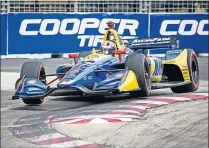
x=37, y=66
x=192, y=55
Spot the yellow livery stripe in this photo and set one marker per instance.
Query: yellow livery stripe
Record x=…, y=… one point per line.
x=181, y=62
x=130, y=82
x=152, y=66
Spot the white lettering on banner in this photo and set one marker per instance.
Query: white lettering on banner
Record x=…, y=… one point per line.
x=193, y=29
x=201, y=27
x=75, y=28
x=23, y=27
x=196, y=27
x=164, y=26
x=88, y=23
x=92, y=40
x=97, y=39
x=83, y=39
x=43, y=28
x=79, y=27
x=130, y=25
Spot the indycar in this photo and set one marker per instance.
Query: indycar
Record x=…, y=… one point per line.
x=129, y=69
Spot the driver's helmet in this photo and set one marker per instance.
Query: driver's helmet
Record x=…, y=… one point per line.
x=108, y=47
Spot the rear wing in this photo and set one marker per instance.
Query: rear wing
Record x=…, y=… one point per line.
x=154, y=43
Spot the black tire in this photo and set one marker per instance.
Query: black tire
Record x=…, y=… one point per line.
x=193, y=73
x=138, y=64
x=33, y=69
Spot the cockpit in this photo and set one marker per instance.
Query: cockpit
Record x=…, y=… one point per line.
x=112, y=40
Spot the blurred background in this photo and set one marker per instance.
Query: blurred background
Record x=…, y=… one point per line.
x=186, y=19
x=141, y=6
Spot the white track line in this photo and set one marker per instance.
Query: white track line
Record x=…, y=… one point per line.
x=126, y=119
x=98, y=121
x=174, y=98
x=149, y=102
x=7, y=126
x=203, y=94
x=134, y=106
x=68, y=122
x=30, y=119
x=74, y=143
x=79, y=118
x=125, y=111
x=115, y=110
x=44, y=137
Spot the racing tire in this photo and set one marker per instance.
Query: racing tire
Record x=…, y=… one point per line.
x=139, y=65
x=33, y=69
x=193, y=66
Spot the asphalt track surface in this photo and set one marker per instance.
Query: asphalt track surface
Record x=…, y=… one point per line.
x=181, y=121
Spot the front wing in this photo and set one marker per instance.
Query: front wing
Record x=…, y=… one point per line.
x=31, y=88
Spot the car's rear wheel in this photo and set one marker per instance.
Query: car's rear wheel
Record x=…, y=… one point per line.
x=138, y=64
x=32, y=69
x=193, y=67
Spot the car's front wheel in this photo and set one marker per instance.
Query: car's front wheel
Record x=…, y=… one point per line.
x=138, y=64
x=32, y=69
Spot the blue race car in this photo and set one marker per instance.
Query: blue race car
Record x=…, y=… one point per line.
x=113, y=69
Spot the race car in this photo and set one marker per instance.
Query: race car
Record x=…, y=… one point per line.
x=115, y=68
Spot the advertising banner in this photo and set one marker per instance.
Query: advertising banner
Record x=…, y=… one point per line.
x=65, y=33
x=190, y=29
x=3, y=33
x=29, y=33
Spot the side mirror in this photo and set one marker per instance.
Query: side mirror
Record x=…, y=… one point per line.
x=74, y=56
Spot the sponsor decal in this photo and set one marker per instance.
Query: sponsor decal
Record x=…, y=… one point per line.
x=74, y=71
x=153, y=41
x=31, y=81
x=119, y=75
x=67, y=81
x=34, y=89
x=185, y=73
x=169, y=62
x=184, y=69
x=185, y=27
x=90, y=77
x=158, y=67
x=173, y=51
